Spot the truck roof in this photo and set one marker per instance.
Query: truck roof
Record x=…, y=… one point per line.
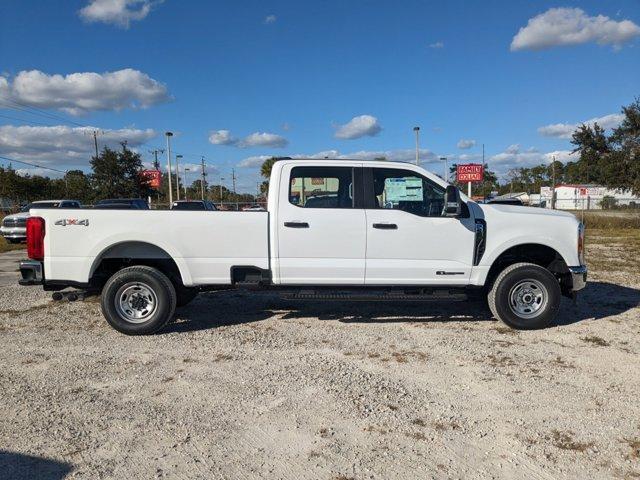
x=359, y=160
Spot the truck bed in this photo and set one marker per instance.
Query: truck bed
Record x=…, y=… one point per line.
x=204, y=245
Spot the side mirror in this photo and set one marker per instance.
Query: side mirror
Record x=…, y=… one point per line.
x=452, y=203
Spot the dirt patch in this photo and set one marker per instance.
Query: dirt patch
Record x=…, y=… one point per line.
x=252, y=386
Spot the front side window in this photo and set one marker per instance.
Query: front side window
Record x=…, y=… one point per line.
x=321, y=187
x=407, y=191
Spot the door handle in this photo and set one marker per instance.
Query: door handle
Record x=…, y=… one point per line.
x=296, y=224
x=385, y=226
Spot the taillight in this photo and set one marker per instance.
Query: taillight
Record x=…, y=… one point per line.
x=35, y=238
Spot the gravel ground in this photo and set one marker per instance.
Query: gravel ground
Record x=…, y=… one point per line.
x=252, y=386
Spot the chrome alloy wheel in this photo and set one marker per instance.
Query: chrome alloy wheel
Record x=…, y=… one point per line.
x=528, y=298
x=136, y=302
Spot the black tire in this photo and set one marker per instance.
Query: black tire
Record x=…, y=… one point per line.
x=138, y=290
x=525, y=296
x=185, y=295
x=14, y=240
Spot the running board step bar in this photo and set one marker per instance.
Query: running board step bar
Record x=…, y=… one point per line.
x=376, y=296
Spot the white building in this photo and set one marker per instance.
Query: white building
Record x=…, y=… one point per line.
x=587, y=197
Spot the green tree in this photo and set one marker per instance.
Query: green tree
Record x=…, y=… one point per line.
x=77, y=186
x=117, y=174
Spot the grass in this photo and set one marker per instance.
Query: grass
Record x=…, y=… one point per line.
x=6, y=246
x=610, y=219
x=612, y=249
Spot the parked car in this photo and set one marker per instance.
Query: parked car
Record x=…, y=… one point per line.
x=254, y=208
x=391, y=232
x=505, y=201
x=122, y=204
x=193, y=205
x=14, y=227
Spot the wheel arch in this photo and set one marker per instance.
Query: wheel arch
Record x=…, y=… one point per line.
x=133, y=252
x=536, y=253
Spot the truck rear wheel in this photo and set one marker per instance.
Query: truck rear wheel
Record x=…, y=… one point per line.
x=138, y=300
x=525, y=296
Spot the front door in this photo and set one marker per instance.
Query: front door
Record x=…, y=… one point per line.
x=321, y=233
x=409, y=242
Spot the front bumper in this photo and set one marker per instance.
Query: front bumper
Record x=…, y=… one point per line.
x=14, y=233
x=578, y=277
x=32, y=273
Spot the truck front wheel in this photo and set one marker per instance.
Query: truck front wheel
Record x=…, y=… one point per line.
x=138, y=300
x=525, y=296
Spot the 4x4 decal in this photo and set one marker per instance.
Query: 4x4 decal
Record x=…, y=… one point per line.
x=72, y=221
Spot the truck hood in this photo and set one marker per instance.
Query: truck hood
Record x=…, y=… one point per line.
x=490, y=209
x=18, y=215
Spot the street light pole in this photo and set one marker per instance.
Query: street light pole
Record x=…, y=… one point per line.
x=169, y=135
x=417, y=130
x=178, y=177
x=446, y=168
x=185, y=183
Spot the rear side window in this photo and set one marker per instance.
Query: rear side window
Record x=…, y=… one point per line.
x=321, y=187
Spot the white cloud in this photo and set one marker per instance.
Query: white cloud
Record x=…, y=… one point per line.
x=270, y=19
x=263, y=139
x=565, y=130
x=116, y=12
x=399, y=155
x=437, y=44
x=79, y=93
x=361, y=126
x=222, y=137
x=62, y=145
x=514, y=157
x=572, y=26
x=253, y=161
x=256, y=139
x=466, y=144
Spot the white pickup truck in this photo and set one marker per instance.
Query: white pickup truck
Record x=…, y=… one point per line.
x=334, y=230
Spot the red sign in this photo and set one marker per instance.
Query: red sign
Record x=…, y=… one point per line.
x=153, y=178
x=470, y=172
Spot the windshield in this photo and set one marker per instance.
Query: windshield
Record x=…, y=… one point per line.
x=41, y=205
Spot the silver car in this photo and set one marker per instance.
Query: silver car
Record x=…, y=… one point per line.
x=14, y=227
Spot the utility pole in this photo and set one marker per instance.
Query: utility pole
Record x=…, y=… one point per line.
x=178, y=177
x=169, y=135
x=221, y=181
x=233, y=177
x=185, y=183
x=95, y=141
x=553, y=184
x=417, y=130
x=446, y=168
x=202, y=177
x=156, y=164
x=94, y=133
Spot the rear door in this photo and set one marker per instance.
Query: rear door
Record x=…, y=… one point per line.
x=321, y=230
x=409, y=242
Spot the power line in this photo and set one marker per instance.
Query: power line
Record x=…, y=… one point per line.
x=16, y=105
x=25, y=120
x=13, y=160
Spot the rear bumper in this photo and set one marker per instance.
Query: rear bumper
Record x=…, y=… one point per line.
x=14, y=233
x=578, y=277
x=32, y=272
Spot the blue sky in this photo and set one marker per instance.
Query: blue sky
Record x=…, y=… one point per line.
x=296, y=74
